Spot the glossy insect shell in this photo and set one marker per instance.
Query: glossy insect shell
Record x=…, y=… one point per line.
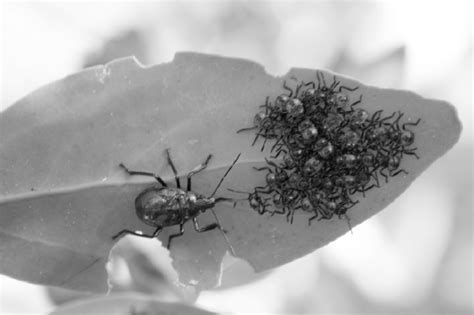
x=158, y=206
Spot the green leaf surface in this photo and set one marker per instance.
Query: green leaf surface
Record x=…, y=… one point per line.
x=63, y=196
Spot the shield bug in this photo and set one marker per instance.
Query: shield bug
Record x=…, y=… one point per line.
x=162, y=206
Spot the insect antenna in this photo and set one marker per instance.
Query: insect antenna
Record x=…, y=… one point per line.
x=227, y=172
x=222, y=199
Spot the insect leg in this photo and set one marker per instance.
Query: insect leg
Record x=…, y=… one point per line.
x=246, y=129
x=158, y=178
x=288, y=89
x=398, y=172
x=175, y=172
x=411, y=124
x=384, y=175
x=411, y=152
x=312, y=218
x=356, y=102
x=210, y=227
x=347, y=88
x=334, y=84
x=125, y=232
x=180, y=233
x=206, y=228
x=197, y=170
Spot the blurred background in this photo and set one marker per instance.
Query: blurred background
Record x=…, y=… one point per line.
x=415, y=257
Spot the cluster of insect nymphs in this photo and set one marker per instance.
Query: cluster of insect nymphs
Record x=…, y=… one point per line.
x=325, y=148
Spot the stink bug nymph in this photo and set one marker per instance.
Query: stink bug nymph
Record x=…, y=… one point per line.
x=162, y=206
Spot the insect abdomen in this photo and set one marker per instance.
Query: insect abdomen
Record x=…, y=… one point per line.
x=160, y=206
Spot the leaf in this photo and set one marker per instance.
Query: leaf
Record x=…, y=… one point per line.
x=63, y=196
x=127, y=304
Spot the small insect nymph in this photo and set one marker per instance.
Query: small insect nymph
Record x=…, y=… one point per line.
x=162, y=206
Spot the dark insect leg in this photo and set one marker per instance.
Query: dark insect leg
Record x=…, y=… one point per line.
x=175, y=172
x=376, y=116
x=364, y=189
x=263, y=190
x=315, y=216
x=197, y=170
x=172, y=236
x=263, y=168
x=125, y=232
x=278, y=154
x=206, y=228
x=271, y=163
x=280, y=211
x=387, y=118
x=158, y=178
x=292, y=215
x=276, y=144
x=400, y=115
x=356, y=102
x=348, y=220
x=411, y=152
x=288, y=89
x=323, y=79
x=334, y=84
x=246, y=129
x=255, y=139
x=347, y=88
x=398, y=172
x=310, y=83
x=411, y=124
x=384, y=175
x=298, y=87
x=266, y=105
x=319, y=80
x=263, y=145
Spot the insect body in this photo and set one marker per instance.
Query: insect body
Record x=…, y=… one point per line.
x=162, y=206
x=330, y=150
